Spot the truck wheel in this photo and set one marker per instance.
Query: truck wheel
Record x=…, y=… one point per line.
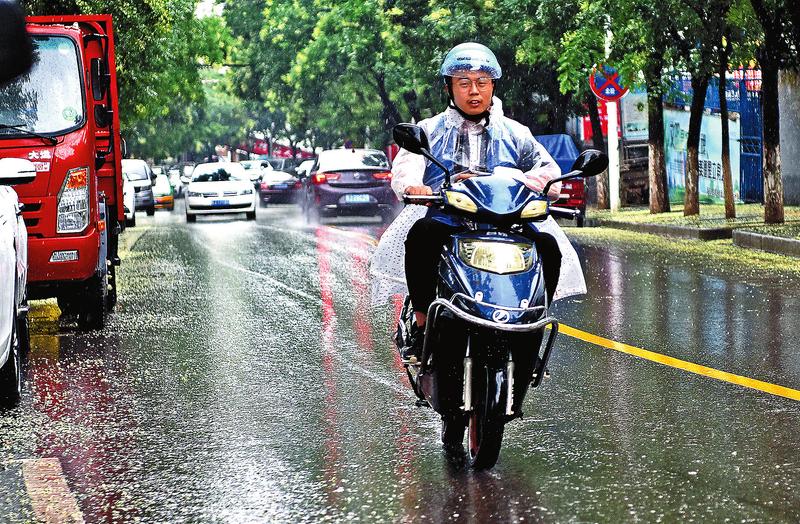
x=151, y=211
x=111, y=298
x=579, y=220
x=93, y=313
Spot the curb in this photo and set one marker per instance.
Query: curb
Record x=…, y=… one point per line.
x=779, y=245
x=692, y=233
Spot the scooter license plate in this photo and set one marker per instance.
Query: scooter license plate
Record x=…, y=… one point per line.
x=220, y=203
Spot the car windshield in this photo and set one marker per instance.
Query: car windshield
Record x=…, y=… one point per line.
x=218, y=173
x=338, y=159
x=134, y=170
x=49, y=98
x=280, y=164
x=162, y=183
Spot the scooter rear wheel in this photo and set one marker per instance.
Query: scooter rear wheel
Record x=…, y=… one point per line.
x=484, y=432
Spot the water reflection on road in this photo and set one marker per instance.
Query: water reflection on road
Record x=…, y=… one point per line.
x=246, y=377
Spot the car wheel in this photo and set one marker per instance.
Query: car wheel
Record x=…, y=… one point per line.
x=11, y=371
x=130, y=222
x=151, y=211
x=312, y=215
x=251, y=215
x=191, y=218
x=579, y=220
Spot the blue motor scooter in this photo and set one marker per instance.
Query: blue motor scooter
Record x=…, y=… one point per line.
x=484, y=336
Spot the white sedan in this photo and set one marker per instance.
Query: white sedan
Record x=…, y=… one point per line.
x=221, y=187
x=14, y=339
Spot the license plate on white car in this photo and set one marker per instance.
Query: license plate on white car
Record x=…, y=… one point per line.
x=356, y=199
x=220, y=203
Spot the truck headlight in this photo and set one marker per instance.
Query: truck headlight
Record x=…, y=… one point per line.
x=534, y=209
x=496, y=257
x=73, y=202
x=461, y=201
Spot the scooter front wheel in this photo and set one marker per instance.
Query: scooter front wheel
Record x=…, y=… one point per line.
x=484, y=429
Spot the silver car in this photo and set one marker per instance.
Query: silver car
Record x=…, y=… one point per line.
x=14, y=338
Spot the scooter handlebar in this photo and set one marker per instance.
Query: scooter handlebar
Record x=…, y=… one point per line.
x=423, y=200
x=562, y=212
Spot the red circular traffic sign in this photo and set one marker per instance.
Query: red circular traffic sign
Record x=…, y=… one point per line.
x=605, y=83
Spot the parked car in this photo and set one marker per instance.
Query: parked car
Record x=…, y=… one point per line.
x=129, y=201
x=14, y=338
x=349, y=182
x=138, y=172
x=277, y=187
x=163, y=193
x=573, y=192
x=217, y=188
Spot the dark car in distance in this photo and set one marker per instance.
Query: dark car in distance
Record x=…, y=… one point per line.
x=349, y=182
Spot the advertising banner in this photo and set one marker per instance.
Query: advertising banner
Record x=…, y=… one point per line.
x=676, y=123
x=634, y=115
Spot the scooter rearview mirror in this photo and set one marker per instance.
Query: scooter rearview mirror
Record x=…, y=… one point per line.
x=590, y=163
x=411, y=137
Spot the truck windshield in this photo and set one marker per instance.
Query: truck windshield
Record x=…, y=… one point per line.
x=48, y=99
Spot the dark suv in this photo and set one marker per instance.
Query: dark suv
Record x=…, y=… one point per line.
x=349, y=182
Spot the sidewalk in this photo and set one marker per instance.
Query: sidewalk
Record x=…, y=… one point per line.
x=747, y=229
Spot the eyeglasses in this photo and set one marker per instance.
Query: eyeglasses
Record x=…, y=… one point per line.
x=481, y=83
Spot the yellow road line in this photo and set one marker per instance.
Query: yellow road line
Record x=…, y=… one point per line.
x=766, y=387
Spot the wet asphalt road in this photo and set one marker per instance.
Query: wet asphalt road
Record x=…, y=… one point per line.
x=245, y=378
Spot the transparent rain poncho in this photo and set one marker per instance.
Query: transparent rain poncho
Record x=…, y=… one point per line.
x=503, y=146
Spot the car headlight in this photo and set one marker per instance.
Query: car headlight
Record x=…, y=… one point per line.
x=194, y=194
x=496, y=257
x=534, y=209
x=246, y=192
x=461, y=201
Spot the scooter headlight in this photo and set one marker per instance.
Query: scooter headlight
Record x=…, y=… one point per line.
x=461, y=201
x=534, y=209
x=496, y=257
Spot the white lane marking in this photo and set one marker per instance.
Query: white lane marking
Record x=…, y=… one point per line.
x=273, y=281
x=51, y=498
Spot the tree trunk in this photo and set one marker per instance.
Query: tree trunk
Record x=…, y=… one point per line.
x=727, y=177
x=773, y=182
x=691, y=204
x=657, y=168
x=603, y=198
x=391, y=114
x=410, y=98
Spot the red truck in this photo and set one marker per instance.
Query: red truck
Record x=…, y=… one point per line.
x=63, y=116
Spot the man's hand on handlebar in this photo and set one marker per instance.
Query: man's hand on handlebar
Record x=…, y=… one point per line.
x=463, y=176
x=418, y=190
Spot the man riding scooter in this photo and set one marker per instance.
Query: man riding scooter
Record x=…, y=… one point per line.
x=472, y=138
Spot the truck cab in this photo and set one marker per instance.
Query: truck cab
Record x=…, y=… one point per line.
x=63, y=117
